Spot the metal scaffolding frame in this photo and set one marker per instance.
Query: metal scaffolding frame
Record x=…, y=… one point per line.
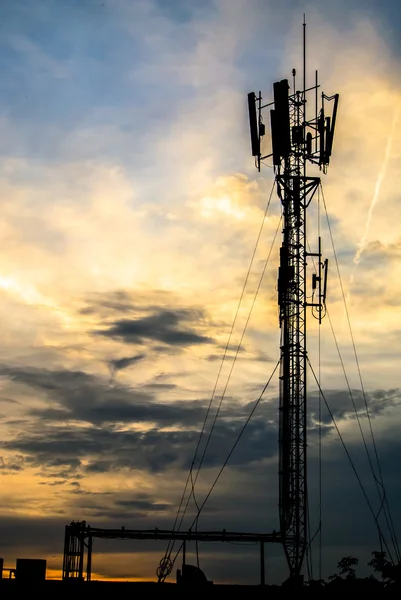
x=79, y=536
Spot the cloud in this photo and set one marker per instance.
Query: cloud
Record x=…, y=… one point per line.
x=103, y=451
x=109, y=303
x=340, y=402
x=117, y=364
x=8, y=401
x=79, y=396
x=12, y=465
x=161, y=327
x=142, y=504
x=112, y=507
x=129, y=429
x=37, y=58
x=377, y=252
x=164, y=435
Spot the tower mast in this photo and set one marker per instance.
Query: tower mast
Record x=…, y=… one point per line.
x=295, y=142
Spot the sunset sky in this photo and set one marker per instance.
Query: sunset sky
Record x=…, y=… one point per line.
x=130, y=207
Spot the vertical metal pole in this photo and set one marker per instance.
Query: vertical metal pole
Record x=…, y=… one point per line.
x=304, y=59
x=316, y=103
x=89, y=559
x=262, y=563
x=259, y=123
x=81, y=551
x=66, y=570
x=184, y=548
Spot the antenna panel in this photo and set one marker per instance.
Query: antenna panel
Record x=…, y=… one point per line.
x=275, y=139
x=253, y=124
x=282, y=117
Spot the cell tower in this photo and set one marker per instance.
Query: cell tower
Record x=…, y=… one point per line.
x=296, y=141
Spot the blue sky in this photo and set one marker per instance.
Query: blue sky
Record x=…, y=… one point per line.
x=130, y=207
x=129, y=66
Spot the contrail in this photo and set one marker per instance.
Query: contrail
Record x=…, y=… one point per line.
x=380, y=177
x=376, y=194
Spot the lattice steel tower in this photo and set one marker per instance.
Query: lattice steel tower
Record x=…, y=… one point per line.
x=296, y=140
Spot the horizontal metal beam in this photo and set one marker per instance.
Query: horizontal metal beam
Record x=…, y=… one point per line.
x=167, y=534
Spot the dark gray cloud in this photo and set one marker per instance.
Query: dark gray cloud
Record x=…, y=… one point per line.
x=54, y=483
x=159, y=387
x=156, y=450
x=117, y=505
x=146, y=318
x=38, y=535
x=62, y=449
x=79, y=397
x=171, y=327
x=8, y=401
x=259, y=357
x=75, y=396
x=340, y=404
x=118, y=364
x=108, y=304
x=231, y=348
x=218, y=357
x=144, y=504
x=13, y=464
